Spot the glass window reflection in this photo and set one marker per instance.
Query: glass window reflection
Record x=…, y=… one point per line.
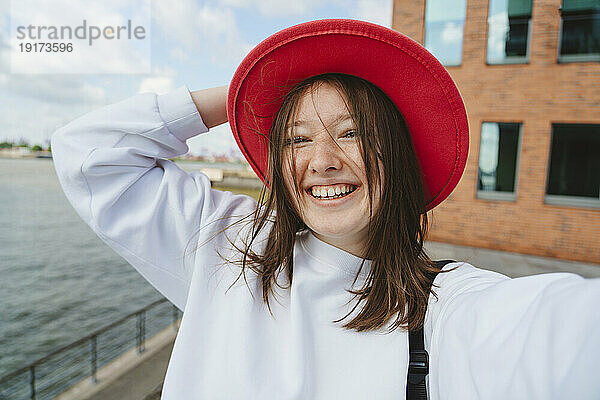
x=498, y=157
x=580, y=31
x=444, y=23
x=508, y=31
x=574, y=161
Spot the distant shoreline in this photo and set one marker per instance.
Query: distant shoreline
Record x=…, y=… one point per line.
x=221, y=174
x=48, y=155
x=24, y=156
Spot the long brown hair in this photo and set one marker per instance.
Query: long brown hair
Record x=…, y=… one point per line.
x=399, y=279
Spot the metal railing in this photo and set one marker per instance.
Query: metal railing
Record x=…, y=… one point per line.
x=59, y=370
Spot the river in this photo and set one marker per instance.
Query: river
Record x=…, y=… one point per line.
x=59, y=281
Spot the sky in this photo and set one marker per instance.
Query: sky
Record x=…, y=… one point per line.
x=191, y=42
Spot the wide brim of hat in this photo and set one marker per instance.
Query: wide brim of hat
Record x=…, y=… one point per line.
x=414, y=79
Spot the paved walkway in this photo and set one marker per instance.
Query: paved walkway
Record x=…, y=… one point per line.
x=143, y=381
x=130, y=376
x=511, y=264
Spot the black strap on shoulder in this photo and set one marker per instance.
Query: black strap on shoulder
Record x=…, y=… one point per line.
x=418, y=359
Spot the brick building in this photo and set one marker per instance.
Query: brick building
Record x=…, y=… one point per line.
x=529, y=74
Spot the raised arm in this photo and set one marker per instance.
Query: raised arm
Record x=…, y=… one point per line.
x=112, y=164
x=212, y=105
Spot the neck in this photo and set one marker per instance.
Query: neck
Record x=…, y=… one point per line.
x=354, y=244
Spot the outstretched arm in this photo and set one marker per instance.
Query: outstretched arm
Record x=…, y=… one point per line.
x=535, y=337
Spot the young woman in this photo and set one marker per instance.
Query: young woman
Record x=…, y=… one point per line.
x=357, y=131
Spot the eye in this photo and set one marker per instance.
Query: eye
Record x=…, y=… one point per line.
x=349, y=133
x=296, y=140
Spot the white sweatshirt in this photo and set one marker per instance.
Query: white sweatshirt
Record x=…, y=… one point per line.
x=488, y=336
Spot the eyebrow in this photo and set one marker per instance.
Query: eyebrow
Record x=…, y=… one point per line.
x=341, y=118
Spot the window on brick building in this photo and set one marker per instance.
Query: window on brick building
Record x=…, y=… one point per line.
x=574, y=170
x=444, y=22
x=580, y=31
x=498, y=159
x=508, y=31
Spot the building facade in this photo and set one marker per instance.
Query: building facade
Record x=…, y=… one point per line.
x=529, y=73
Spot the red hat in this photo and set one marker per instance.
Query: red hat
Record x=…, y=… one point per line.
x=414, y=79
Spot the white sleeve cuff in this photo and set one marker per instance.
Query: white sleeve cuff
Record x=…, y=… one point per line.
x=179, y=112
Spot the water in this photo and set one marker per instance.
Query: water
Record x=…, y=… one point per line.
x=58, y=281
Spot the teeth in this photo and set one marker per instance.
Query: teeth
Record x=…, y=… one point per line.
x=331, y=192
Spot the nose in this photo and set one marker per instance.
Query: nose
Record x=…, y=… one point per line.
x=325, y=156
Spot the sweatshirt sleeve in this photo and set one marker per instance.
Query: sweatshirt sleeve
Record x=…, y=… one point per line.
x=536, y=337
x=112, y=164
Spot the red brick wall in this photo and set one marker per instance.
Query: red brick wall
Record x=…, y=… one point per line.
x=536, y=94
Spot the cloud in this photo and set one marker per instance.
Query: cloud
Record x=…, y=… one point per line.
x=114, y=56
x=208, y=31
x=276, y=8
x=452, y=33
x=488, y=153
x=36, y=119
x=60, y=89
x=159, y=85
x=497, y=32
x=218, y=140
x=446, y=10
x=192, y=29
x=375, y=11
x=160, y=82
x=39, y=104
x=179, y=54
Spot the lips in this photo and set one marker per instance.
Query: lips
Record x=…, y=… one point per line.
x=336, y=191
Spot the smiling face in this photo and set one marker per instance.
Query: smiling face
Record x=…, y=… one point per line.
x=325, y=159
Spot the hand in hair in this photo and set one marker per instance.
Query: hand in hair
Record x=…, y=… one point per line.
x=212, y=105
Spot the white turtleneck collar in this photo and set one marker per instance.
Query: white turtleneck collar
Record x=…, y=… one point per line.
x=331, y=256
